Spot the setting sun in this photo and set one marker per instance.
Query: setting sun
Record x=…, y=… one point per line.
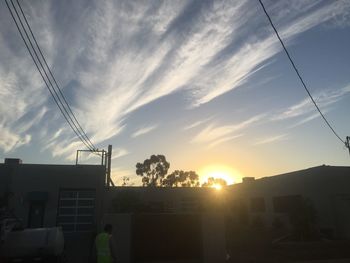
x=227, y=173
x=217, y=186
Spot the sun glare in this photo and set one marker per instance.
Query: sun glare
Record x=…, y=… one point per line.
x=217, y=186
x=227, y=173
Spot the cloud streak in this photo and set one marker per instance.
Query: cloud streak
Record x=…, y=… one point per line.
x=324, y=100
x=213, y=135
x=114, y=57
x=197, y=123
x=22, y=104
x=272, y=139
x=143, y=131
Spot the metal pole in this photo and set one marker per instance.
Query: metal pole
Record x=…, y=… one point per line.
x=109, y=165
x=347, y=143
x=76, y=158
x=105, y=157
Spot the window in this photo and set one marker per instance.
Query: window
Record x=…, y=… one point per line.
x=286, y=204
x=257, y=204
x=76, y=209
x=36, y=214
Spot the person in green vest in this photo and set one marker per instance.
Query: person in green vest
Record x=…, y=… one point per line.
x=104, y=248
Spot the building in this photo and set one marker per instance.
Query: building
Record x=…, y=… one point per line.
x=76, y=198
x=160, y=199
x=271, y=199
x=325, y=188
x=158, y=224
x=70, y=196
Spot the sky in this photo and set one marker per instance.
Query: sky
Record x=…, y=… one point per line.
x=205, y=83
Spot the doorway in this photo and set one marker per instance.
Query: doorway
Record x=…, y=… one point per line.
x=36, y=214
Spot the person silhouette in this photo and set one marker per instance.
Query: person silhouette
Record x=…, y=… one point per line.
x=104, y=248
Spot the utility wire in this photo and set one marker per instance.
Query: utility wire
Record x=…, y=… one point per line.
x=52, y=90
x=297, y=72
x=57, y=98
x=54, y=79
x=42, y=75
x=65, y=107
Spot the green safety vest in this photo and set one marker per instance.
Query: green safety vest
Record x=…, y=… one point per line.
x=102, y=247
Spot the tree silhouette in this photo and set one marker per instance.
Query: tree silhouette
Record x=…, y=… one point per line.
x=212, y=182
x=153, y=170
x=181, y=178
x=126, y=180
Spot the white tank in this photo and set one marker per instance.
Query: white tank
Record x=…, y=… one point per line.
x=33, y=243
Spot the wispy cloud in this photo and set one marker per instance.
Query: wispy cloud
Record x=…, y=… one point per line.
x=213, y=135
x=307, y=119
x=271, y=139
x=305, y=107
x=123, y=55
x=223, y=139
x=143, y=131
x=10, y=141
x=341, y=20
x=119, y=152
x=197, y=123
x=21, y=105
x=238, y=67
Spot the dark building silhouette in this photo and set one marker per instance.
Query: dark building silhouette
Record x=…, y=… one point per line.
x=76, y=198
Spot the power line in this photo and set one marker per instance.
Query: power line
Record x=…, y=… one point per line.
x=298, y=74
x=52, y=90
x=73, y=124
x=40, y=71
x=57, y=98
x=58, y=87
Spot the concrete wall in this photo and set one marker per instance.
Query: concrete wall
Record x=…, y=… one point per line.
x=121, y=234
x=213, y=242
x=214, y=239
x=173, y=200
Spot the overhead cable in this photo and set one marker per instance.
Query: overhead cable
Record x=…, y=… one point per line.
x=298, y=74
x=56, y=93
x=54, y=79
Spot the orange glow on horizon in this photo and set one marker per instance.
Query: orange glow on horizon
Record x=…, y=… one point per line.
x=227, y=173
x=217, y=187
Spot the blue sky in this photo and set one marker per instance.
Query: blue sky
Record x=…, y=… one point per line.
x=202, y=82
